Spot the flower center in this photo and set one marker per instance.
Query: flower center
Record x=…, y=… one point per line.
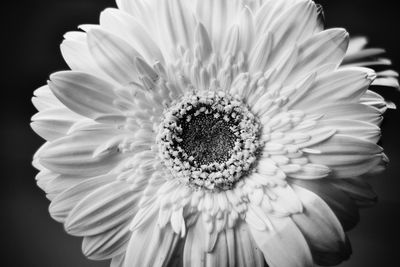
x=209, y=140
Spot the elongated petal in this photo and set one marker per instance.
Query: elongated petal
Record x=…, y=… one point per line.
x=276, y=243
x=247, y=252
x=356, y=44
x=155, y=248
x=178, y=24
x=224, y=11
x=142, y=10
x=348, y=156
x=73, y=154
x=113, y=55
x=234, y=247
x=344, y=208
x=269, y=12
x=220, y=254
x=359, y=129
x=260, y=54
x=231, y=43
x=53, y=123
x=130, y=29
x=108, y=244
x=45, y=99
x=350, y=111
x=83, y=93
x=105, y=208
x=311, y=171
x=203, y=42
x=286, y=201
x=43, y=178
x=118, y=261
x=194, y=254
x=375, y=100
x=358, y=190
x=321, y=228
x=66, y=201
x=326, y=47
x=363, y=54
x=341, y=86
x=246, y=29
x=78, y=57
x=296, y=24
x=61, y=183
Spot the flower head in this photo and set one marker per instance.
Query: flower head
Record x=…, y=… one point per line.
x=211, y=132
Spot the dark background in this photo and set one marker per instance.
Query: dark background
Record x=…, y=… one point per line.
x=32, y=31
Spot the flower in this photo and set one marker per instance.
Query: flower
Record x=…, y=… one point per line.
x=212, y=132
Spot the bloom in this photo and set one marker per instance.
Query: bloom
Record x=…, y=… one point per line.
x=217, y=133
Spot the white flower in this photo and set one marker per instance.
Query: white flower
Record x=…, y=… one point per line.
x=211, y=133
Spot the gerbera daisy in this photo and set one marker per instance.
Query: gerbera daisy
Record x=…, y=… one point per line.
x=211, y=133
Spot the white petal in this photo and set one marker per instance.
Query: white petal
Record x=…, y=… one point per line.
x=60, y=183
x=354, y=128
x=388, y=82
x=284, y=246
x=360, y=167
x=111, y=205
x=348, y=156
x=270, y=11
x=144, y=216
x=259, y=56
x=321, y=228
x=247, y=252
x=118, y=261
x=246, y=29
x=311, y=171
x=326, y=47
x=151, y=246
x=77, y=36
x=217, y=16
x=220, y=255
x=342, y=86
x=295, y=25
x=73, y=154
x=202, y=40
x=358, y=190
x=53, y=123
x=107, y=244
x=43, y=178
x=362, y=54
x=375, y=100
x=78, y=57
x=177, y=24
x=44, y=99
x=194, y=253
x=350, y=111
x=285, y=200
x=356, y=44
x=64, y=202
x=131, y=30
x=113, y=55
x=231, y=44
x=142, y=10
x=344, y=208
x=83, y=93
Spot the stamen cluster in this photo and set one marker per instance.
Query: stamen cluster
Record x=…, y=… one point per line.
x=209, y=139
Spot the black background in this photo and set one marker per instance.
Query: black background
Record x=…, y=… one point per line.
x=31, y=33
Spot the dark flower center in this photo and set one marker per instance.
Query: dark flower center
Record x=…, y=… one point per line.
x=209, y=140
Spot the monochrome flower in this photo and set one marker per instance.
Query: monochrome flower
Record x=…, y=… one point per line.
x=211, y=133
